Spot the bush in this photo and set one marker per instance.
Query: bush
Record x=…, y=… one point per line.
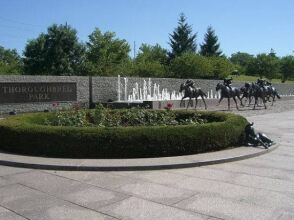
x=149, y=69
x=222, y=67
x=103, y=117
x=26, y=134
x=191, y=66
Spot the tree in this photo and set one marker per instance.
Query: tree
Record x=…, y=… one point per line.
x=56, y=52
x=182, y=40
x=222, y=67
x=105, y=53
x=190, y=65
x=151, y=61
x=272, y=53
x=10, y=61
x=210, y=46
x=264, y=65
x=149, y=69
x=152, y=53
x=243, y=60
x=287, y=68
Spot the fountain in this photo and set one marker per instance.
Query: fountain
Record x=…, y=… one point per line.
x=149, y=94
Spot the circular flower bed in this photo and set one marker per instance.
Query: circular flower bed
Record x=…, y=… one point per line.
x=135, y=133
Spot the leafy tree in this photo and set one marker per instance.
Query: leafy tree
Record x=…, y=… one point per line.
x=126, y=68
x=105, y=53
x=151, y=61
x=243, y=60
x=152, y=53
x=264, y=65
x=287, y=68
x=222, y=67
x=191, y=65
x=56, y=52
x=10, y=61
x=182, y=40
x=210, y=46
x=149, y=69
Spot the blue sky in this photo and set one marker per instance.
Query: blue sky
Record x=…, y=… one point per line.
x=253, y=26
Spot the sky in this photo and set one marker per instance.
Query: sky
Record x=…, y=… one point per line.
x=252, y=26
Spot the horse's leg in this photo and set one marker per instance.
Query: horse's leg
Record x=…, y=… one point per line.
x=243, y=96
x=190, y=99
x=258, y=101
x=255, y=101
x=196, y=102
x=240, y=100
x=219, y=101
x=263, y=99
x=236, y=102
x=182, y=101
x=204, y=101
x=250, y=99
x=229, y=104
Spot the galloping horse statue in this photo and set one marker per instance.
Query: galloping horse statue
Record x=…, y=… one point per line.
x=229, y=93
x=264, y=90
x=258, y=92
x=246, y=93
x=191, y=92
x=270, y=91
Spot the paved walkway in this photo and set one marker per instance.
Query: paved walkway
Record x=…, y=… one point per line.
x=257, y=188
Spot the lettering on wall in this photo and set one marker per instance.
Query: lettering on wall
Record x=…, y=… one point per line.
x=37, y=92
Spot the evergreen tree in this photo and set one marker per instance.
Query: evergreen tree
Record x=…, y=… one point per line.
x=272, y=53
x=182, y=40
x=210, y=47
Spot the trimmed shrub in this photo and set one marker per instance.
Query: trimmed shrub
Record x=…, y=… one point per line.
x=25, y=134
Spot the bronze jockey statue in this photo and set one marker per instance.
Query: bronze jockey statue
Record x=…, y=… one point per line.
x=255, y=139
x=190, y=83
x=228, y=82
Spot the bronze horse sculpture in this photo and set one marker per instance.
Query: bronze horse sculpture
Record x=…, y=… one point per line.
x=258, y=92
x=229, y=93
x=246, y=93
x=271, y=92
x=192, y=92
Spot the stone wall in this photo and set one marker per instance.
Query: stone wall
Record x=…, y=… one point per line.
x=105, y=89
x=82, y=93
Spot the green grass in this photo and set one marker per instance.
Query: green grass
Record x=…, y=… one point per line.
x=245, y=78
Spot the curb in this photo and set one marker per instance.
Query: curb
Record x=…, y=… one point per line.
x=163, y=166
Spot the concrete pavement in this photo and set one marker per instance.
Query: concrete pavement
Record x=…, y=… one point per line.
x=257, y=188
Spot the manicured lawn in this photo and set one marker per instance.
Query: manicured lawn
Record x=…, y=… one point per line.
x=245, y=78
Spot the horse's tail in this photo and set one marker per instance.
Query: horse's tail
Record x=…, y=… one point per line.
x=275, y=92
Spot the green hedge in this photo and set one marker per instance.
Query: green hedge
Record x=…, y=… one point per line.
x=24, y=134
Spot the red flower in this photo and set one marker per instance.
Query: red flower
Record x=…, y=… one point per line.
x=169, y=106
